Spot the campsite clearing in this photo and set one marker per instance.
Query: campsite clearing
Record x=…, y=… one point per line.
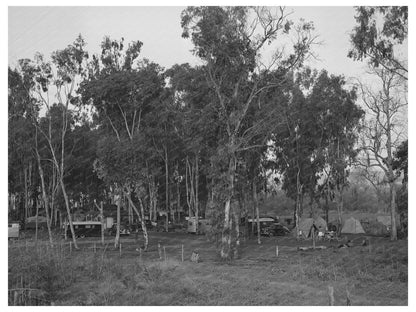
x=375, y=274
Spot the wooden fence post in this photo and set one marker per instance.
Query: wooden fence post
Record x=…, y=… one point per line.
x=277, y=251
x=120, y=248
x=348, y=298
x=182, y=252
x=331, y=295
x=159, y=250
x=70, y=247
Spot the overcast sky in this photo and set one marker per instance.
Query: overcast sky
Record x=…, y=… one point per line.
x=46, y=29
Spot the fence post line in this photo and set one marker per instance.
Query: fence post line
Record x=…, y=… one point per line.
x=120, y=248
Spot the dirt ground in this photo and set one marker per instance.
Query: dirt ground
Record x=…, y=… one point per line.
x=375, y=274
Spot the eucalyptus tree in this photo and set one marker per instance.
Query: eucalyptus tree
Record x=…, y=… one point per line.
x=314, y=145
x=338, y=122
x=123, y=90
x=20, y=143
x=400, y=165
x=384, y=128
x=229, y=41
x=380, y=34
x=195, y=127
x=295, y=143
x=49, y=82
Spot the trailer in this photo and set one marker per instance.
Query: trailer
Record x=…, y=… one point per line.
x=203, y=225
x=14, y=228
x=84, y=228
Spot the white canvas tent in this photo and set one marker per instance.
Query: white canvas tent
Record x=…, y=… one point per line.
x=307, y=225
x=352, y=226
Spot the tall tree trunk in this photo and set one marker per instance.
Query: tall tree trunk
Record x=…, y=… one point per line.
x=141, y=218
x=237, y=233
x=44, y=196
x=327, y=207
x=190, y=188
x=26, y=193
x=393, y=233
x=186, y=187
x=36, y=223
x=153, y=195
x=102, y=223
x=68, y=210
x=167, y=186
x=253, y=214
x=117, y=238
x=196, y=193
x=298, y=202
x=101, y=210
x=226, y=232
x=389, y=145
x=178, y=206
x=340, y=207
x=53, y=193
x=256, y=206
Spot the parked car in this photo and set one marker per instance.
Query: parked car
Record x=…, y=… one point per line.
x=124, y=230
x=161, y=226
x=137, y=227
x=84, y=228
x=274, y=229
x=203, y=225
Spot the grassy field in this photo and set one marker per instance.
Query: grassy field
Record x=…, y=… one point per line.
x=96, y=275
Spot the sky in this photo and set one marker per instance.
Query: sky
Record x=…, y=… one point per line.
x=45, y=29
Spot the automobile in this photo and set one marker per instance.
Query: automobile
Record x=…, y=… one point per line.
x=124, y=229
x=137, y=227
x=83, y=228
x=161, y=226
x=203, y=225
x=274, y=229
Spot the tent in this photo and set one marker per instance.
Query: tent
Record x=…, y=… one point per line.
x=385, y=220
x=307, y=225
x=352, y=226
x=320, y=224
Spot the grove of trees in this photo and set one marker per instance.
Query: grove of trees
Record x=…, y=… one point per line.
x=203, y=140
